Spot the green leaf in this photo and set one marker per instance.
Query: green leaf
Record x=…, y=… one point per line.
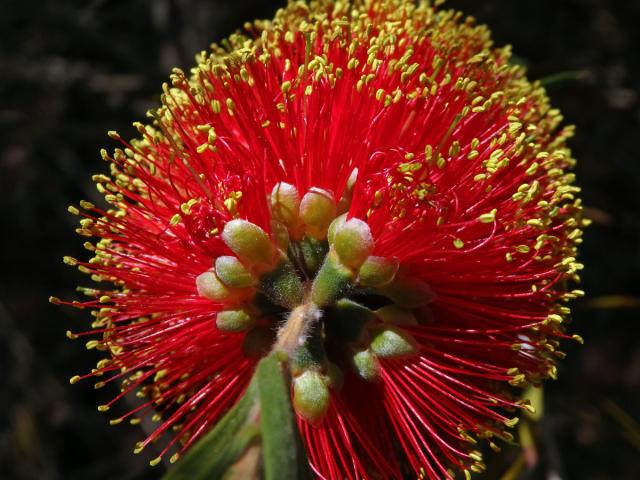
x=257, y=438
x=220, y=449
x=283, y=454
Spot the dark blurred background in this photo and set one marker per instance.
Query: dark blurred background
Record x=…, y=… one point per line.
x=71, y=70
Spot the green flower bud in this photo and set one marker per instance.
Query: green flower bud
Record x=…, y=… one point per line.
x=377, y=271
x=234, y=321
x=393, y=343
x=333, y=226
x=249, y=242
x=317, y=211
x=232, y=273
x=365, y=365
x=210, y=286
x=285, y=204
x=353, y=242
x=311, y=396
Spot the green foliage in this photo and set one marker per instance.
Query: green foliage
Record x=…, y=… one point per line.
x=283, y=453
x=262, y=422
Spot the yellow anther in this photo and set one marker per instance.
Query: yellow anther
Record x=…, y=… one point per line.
x=488, y=217
x=511, y=422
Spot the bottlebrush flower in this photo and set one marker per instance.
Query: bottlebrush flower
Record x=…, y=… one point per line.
x=372, y=189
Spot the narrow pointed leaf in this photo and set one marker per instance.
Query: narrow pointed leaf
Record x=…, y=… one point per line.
x=222, y=447
x=283, y=454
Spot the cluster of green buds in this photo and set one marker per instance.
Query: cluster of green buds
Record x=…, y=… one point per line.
x=314, y=292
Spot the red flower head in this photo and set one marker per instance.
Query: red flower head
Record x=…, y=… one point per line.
x=371, y=189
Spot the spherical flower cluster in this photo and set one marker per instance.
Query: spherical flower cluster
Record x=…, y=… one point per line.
x=369, y=188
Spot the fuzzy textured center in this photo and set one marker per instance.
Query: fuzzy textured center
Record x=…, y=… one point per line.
x=314, y=291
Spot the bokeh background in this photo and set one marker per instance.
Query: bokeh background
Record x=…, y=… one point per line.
x=71, y=70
